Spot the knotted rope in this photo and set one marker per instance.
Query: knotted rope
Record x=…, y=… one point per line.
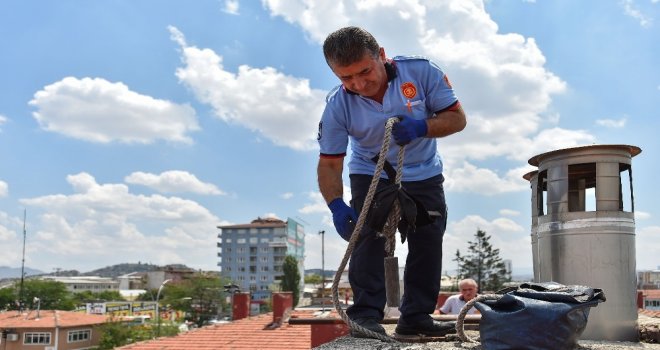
x=389, y=232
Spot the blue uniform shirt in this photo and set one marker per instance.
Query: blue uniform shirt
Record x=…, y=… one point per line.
x=417, y=88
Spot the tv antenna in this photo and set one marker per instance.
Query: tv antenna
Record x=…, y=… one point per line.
x=20, y=293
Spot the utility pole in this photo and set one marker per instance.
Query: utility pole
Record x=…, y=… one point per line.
x=322, y=233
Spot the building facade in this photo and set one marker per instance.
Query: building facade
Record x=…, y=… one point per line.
x=94, y=284
x=252, y=255
x=50, y=329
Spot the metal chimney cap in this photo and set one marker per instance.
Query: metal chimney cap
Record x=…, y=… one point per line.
x=530, y=174
x=536, y=160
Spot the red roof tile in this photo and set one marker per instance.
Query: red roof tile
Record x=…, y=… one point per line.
x=651, y=293
x=248, y=333
x=649, y=313
x=48, y=319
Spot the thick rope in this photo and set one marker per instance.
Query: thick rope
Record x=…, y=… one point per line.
x=461, y=315
x=389, y=231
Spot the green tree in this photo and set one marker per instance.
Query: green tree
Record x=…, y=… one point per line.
x=89, y=296
x=291, y=278
x=482, y=263
x=117, y=333
x=7, y=298
x=313, y=279
x=149, y=295
x=52, y=295
x=201, y=296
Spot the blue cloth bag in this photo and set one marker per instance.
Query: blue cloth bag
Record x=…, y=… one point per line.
x=537, y=316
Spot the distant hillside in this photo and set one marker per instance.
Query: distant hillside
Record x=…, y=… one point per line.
x=122, y=269
x=108, y=271
x=15, y=272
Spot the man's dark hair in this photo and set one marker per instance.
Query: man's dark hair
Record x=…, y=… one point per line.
x=349, y=45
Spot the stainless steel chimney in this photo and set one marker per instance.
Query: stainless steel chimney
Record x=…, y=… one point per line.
x=583, y=230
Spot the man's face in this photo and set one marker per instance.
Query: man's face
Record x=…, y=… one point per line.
x=366, y=77
x=468, y=292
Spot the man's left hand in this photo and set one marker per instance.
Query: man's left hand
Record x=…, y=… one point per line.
x=408, y=129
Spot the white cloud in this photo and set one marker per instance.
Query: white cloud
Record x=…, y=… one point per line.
x=286, y=195
x=469, y=178
x=612, y=123
x=282, y=108
x=3, y=120
x=642, y=215
x=630, y=9
x=231, y=7
x=500, y=78
x=317, y=204
x=96, y=110
x=91, y=226
x=647, y=247
x=7, y=233
x=271, y=216
x=4, y=189
x=511, y=239
x=173, y=181
x=509, y=212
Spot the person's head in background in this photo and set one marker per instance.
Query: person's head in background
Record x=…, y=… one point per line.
x=468, y=289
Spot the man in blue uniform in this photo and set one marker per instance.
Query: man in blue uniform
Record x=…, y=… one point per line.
x=373, y=89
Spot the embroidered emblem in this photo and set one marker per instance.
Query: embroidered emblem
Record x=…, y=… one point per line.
x=447, y=81
x=319, y=134
x=409, y=90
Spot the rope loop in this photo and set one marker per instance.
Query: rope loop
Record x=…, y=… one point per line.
x=461, y=315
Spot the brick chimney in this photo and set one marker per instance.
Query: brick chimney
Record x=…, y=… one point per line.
x=282, y=301
x=241, y=306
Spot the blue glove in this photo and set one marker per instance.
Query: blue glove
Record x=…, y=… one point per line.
x=408, y=129
x=344, y=218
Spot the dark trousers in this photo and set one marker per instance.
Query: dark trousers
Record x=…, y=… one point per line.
x=423, y=264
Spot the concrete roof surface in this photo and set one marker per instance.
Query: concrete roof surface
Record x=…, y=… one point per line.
x=453, y=342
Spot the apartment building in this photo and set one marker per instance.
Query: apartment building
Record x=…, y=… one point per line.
x=252, y=255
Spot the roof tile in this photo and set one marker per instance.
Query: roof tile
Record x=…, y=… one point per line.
x=248, y=333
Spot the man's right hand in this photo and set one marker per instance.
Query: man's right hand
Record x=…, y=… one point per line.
x=344, y=218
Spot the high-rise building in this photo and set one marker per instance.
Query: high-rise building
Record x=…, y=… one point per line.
x=252, y=255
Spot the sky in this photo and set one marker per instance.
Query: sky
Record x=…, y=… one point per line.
x=130, y=130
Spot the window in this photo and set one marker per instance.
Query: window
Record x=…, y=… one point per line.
x=83, y=335
x=240, y=240
x=254, y=240
x=241, y=250
x=36, y=338
x=227, y=240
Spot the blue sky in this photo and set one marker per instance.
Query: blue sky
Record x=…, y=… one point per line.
x=129, y=130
